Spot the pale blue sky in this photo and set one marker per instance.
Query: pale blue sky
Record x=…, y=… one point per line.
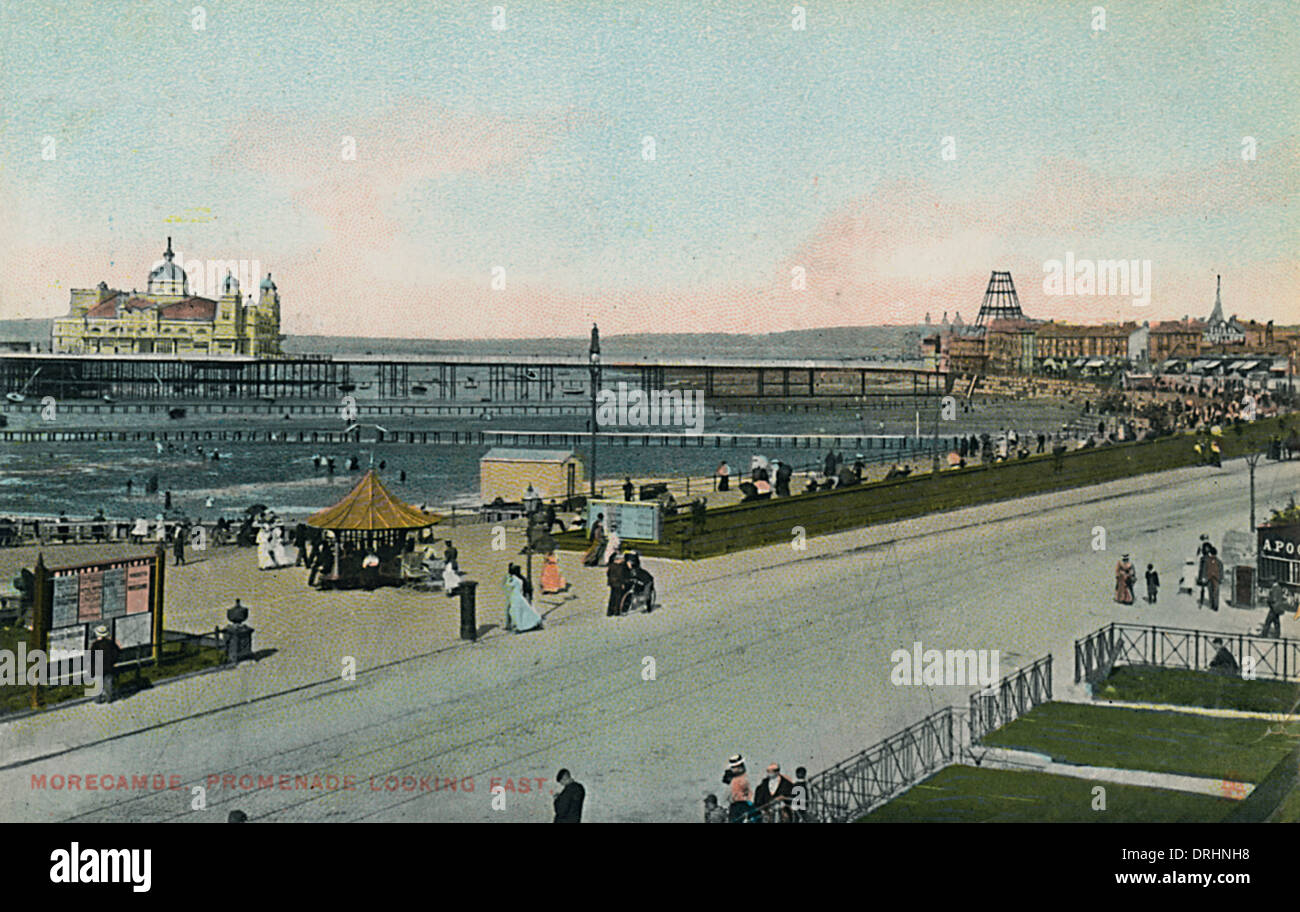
x=762, y=132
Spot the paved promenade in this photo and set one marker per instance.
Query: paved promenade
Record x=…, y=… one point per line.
x=779, y=654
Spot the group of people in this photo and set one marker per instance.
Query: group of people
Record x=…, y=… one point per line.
x=777, y=799
x=1126, y=582
x=1203, y=572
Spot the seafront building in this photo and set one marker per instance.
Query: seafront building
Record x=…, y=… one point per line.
x=1020, y=344
x=167, y=320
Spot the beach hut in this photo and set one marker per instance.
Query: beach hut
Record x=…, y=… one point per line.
x=506, y=472
x=370, y=514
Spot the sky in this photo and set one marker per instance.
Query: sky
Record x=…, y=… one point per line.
x=655, y=166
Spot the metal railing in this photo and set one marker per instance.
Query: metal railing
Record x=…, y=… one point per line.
x=858, y=785
x=1271, y=658
x=854, y=787
x=1010, y=698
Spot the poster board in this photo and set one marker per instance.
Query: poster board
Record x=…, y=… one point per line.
x=632, y=520
x=124, y=595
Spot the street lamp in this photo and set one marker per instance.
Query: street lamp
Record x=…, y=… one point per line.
x=594, y=367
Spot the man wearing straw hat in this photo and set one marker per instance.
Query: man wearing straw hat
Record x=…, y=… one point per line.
x=103, y=656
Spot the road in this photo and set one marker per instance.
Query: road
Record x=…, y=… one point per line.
x=781, y=654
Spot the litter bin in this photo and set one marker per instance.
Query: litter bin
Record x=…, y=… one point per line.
x=468, y=622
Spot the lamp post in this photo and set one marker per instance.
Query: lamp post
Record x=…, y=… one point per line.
x=1251, y=459
x=594, y=367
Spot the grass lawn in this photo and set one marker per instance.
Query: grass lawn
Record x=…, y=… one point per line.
x=1167, y=742
x=966, y=794
x=174, y=662
x=1138, y=684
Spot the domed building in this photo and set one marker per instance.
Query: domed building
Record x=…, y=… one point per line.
x=166, y=319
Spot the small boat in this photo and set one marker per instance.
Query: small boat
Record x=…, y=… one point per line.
x=109, y=400
x=572, y=392
x=419, y=389
x=176, y=413
x=471, y=383
x=21, y=395
x=347, y=387
x=366, y=386
x=270, y=399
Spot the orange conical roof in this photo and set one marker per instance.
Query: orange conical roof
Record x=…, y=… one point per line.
x=370, y=507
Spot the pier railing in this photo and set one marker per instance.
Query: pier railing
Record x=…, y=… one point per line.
x=1115, y=644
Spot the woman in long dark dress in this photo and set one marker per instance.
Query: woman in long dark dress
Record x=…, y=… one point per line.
x=596, y=535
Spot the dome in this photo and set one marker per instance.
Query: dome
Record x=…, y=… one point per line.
x=231, y=285
x=168, y=278
x=267, y=284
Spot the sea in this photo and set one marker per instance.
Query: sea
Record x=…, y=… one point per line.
x=79, y=478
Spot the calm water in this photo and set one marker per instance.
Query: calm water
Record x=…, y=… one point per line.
x=79, y=478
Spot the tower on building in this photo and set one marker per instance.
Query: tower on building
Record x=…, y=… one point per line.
x=1000, y=301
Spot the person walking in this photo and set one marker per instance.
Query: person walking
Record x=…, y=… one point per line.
x=628, y=489
x=724, y=477
x=616, y=578
x=568, y=803
x=783, y=475
x=552, y=580
x=104, y=653
x=742, y=796
x=1277, y=606
x=551, y=519
x=520, y=615
x=596, y=536
x=1212, y=575
x=178, y=543
x=1153, y=584
x=1124, y=579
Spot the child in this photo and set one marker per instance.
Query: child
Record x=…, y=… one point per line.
x=1153, y=584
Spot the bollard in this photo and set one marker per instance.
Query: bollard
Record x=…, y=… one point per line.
x=239, y=636
x=468, y=623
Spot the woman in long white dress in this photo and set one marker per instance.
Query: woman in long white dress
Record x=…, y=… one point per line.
x=278, y=557
x=264, y=561
x=520, y=611
x=451, y=578
x=160, y=529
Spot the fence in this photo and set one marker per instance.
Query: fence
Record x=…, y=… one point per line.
x=1010, y=698
x=856, y=786
x=1175, y=647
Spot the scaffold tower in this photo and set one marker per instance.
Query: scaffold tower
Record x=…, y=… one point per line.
x=1000, y=301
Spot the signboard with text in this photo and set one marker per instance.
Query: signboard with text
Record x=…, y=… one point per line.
x=630, y=520
x=124, y=595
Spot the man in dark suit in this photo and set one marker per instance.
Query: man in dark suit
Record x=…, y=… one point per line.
x=568, y=804
x=772, y=797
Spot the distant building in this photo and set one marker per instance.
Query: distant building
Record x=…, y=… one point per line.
x=1175, y=339
x=1066, y=341
x=167, y=319
x=1219, y=331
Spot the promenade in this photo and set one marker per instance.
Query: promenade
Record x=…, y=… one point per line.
x=777, y=653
